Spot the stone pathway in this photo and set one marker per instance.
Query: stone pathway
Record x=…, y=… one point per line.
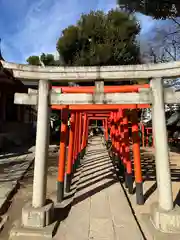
x=100, y=210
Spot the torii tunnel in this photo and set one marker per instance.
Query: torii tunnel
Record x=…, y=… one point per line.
x=115, y=119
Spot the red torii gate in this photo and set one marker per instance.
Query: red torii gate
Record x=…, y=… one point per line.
x=107, y=89
x=80, y=116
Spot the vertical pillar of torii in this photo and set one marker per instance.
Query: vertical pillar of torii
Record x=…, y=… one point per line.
x=42, y=145
x=161, y=146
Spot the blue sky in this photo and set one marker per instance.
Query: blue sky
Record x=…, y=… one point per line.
x=30, y=27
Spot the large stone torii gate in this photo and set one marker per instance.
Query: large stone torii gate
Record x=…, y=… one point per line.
x=38, y=214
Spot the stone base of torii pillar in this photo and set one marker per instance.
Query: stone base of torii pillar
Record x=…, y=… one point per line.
x=164, y=221
x=35, y=223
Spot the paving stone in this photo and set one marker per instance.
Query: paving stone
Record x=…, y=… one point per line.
x=120, y=209
x=126, y=232
x=100, y=209
x=100, y=206
x=101, y=228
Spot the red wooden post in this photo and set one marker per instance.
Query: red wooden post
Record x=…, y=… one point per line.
x=137, y=158
x=80, y=134
x=75, y=139
x=62, y=156
x=70, y=152
x=122, y=163
x=84, y=134
x=106, y=130
x=87, y=131
x=126, y=154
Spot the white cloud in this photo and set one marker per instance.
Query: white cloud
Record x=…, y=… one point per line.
x=41, y=27
x=146, y=22
x=45, y=19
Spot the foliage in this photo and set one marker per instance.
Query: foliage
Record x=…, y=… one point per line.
x=33, y=60
x=101, y=39
x=159, y=9
x=47, y=59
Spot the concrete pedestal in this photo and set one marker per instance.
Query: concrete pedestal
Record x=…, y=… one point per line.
x=35, y=223
x=165, y=221
x=37, y=217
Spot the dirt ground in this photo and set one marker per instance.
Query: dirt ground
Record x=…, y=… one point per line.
x=150, y=187
x=24, y=194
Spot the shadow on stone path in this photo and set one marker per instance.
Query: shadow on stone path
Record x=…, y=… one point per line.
x=100, y=209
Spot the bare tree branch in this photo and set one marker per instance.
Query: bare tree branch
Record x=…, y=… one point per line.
x=175, y=21
x=164, y=45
